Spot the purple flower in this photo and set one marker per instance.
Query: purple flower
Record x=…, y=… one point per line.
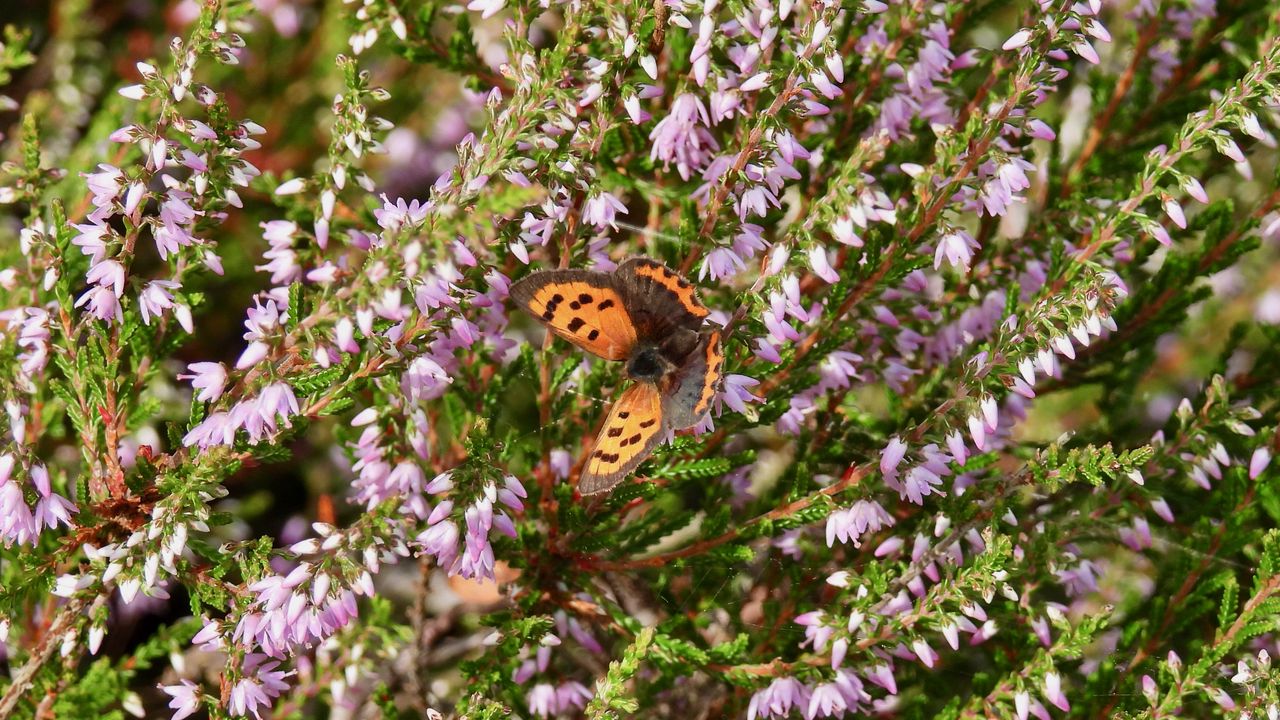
x=1079, y=580
x=542, y=701
x=511, y=492
x=51, y=508
x=487, y=8
x=155, y=298
x=826, y=701
x=393, y=215
x=882, y=675
x=186, y=698
x=1258, y=462
x=571, y=696
x=261, y=684
x=778, y=699
x=102, y=304
x=17, y=524
x=209, y=377
x=108, y=273
x=735, y=392
x=892, y=456
x=682, y=138
x=92, y=241
x=721, y=263
x=602, y=210
x=105, y=184
x=957, y=248
x=816, y=632
x=561, y=462
x=928, y=657
x=821, y=265
x=1053, y=692
x=440, y=541
x=425, y=379
x=917, y=483
x=276, y=401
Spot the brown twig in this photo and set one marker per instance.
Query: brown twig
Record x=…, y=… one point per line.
x=1102, y=121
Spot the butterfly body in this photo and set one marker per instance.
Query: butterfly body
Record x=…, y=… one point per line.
x=647, y=316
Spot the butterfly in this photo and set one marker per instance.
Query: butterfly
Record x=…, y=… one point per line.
x=646, y=315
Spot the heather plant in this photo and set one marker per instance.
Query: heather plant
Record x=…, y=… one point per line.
x=1000, y=305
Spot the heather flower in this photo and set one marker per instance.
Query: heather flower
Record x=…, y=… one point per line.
x=778, y=699
x=850, y=524
x=892, y=456
x=1258, y=462
x=826, y=700
x=51, y=509
x=185, y=698
x=209, y=378
x=441, y=541
x=682, y=138
x=393, y=215
x=155, y=298
x=736, y=392
x=17, y=524
x=602, y=210
x=956, y=248
x=261, y=684
x=102, y=303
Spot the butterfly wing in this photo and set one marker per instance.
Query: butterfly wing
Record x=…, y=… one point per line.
x=584, y=307
x=687, y=393
x=660, y=300
x=633, y=429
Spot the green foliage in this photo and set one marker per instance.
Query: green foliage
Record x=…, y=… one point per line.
x=611, y=699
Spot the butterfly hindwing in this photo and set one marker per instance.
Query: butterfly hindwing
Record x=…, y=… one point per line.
x=687, y=393
x=659, y=299
x=634, y=427
x=586, y=308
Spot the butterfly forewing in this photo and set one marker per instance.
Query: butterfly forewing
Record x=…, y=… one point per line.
x=687, y=393
x=634, y=427
x=586, y=308
x=659, y=299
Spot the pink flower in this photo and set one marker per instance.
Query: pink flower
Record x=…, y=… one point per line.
x=601, y=210
x=155, y=298
x=208, y=377
x=1258, y=462
x=108, y=273
x=102, y=304
x=850, y=524
x=736, y=394
x=956, y=248
x=682, y=138
x=261, y=684
x=186, y=698
x=778, y=699
x=487, y=8
x=1053, y=692
x=891, y=456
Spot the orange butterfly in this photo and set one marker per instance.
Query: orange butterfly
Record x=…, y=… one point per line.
x=645, y=314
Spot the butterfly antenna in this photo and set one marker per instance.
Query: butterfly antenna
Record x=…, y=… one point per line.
x=650, y=232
